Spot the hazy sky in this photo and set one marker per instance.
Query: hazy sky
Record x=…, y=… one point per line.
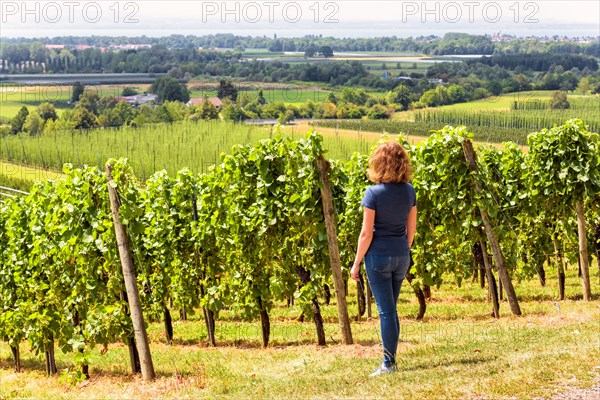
x=341, y=18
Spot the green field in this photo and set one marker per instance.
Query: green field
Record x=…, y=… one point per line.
x=157, y=146
x=502, y=102
x=457, y=352
x=12, y=98
x=288, y=95
x=493, y=119
x=496, y=113
x=406, y=68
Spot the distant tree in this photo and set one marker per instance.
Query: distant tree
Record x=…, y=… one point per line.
x=331, y=98
x=431, y=98
x=435, y=97
x=377, y=112
x=522, y=82
x=355, y=96
x=308, y=109
x=34, y=124
x=276, y=46
x=107, y=103
x=124, y=113
x=310, y=51
x=253, y=110
x=456, y=94
x=559, y=101
x=232, y=112
x=348, y=111
x=370, y=102
x=161, y=114
x=169, y=89
x=401, y=95
x=51, y=126
x=261, y=98
x=47, y=111
x=244, y=99
x=82, y=118
x=329, y=110
x=286, y=117
x=273, y=110
x=129, y=91
x=227, y=90
x=494, y=87
x=16, y=124
x=584, y=85
x=175, y=72
x=77, y=91
x=569, y=81
x=38, y=52
x=177, y=110
x=480, y=93
x=90, y=101
x=207, y=110
x=326, y=51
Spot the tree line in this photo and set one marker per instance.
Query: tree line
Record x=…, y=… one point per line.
x=450, y=43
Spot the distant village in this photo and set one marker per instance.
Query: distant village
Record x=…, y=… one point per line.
x=504, y=37
x=114, y=47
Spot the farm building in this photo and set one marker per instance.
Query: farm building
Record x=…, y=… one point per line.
x=198, y=100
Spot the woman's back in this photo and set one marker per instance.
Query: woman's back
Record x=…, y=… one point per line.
x=391, y=202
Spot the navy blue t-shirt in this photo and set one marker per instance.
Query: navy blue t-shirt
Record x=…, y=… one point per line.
x=392, y=202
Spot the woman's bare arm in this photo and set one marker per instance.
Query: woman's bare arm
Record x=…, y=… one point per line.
x=411, y=225
x=364, y=241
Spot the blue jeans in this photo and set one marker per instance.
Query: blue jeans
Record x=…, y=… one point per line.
x=385, y=274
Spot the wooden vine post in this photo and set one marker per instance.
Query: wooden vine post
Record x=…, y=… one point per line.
x=133, y=296
x=489, y=275
x=583, y=252
x=493, y=241
x=334, y=254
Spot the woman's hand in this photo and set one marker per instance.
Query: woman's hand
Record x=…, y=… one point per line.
x=355, y=271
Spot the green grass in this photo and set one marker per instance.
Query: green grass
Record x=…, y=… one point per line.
x=458, y=351
x=26, y=173
x=14, y=183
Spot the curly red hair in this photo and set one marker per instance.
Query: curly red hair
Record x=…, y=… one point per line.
x=389, y=163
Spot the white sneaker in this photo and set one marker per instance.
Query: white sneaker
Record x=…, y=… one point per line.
x=384, y=370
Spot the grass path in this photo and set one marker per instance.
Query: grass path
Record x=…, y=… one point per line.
x=457, y=352
x=25, y=172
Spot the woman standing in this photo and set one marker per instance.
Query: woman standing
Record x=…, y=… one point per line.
x=388, y=229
